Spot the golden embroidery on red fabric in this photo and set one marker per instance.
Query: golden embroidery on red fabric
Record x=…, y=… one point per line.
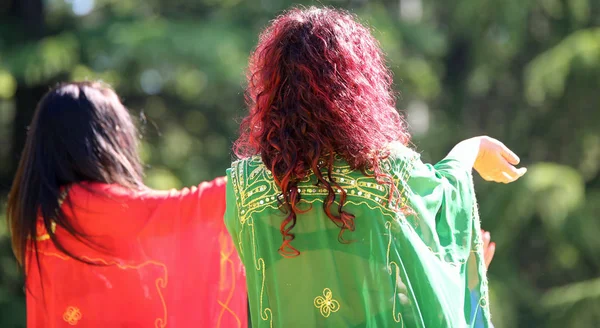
x=161, y=284
x=72, y=315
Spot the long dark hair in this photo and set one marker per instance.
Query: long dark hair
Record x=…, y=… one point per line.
x=318, y=86
x=80, y=132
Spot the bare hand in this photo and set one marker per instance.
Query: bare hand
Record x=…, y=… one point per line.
x=489, y=248
x=495, y=162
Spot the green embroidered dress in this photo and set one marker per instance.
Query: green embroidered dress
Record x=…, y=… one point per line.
x=417, y=270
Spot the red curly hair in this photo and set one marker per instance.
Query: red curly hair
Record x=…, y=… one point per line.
x=318, y=86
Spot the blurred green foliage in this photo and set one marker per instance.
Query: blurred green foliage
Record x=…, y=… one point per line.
x=524, y=71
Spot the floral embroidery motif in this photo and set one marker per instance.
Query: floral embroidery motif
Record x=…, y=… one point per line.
x=72, y=315
x=326, y=304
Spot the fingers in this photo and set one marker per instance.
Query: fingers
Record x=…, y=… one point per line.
x=511, y=174
x=496, y=162
x=508, y=154
x=512, y=171
x=507, y=177
x=508, y=173
x=486, y=238
x=489, y=254
x=489, y=248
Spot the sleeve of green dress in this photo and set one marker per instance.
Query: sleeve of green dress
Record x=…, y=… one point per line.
x=231, y=219
x=444, y=210
x=442, y=196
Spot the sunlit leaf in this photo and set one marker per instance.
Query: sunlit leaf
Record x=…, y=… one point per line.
x=555, y=191
x=8, y=85
x=547, y=73
x=571, y=294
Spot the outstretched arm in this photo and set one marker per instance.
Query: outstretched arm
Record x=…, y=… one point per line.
x=489, y=157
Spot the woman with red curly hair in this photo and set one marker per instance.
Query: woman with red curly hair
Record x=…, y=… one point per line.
x=336, y=219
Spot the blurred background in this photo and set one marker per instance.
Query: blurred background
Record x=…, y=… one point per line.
x=524, y=71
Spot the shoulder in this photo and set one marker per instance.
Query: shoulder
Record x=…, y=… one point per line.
x=400, y=159
x=400, y=152
x=101, y=194
x=251, y=168
x=248, y=162
x=106, y=209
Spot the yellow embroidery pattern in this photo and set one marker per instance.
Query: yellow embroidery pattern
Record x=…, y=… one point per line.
x=326, y=304
x=256, y=192
x=266, y=314
x=227, y=266
x=397, y=316
x=161, y=282
x=72, y=315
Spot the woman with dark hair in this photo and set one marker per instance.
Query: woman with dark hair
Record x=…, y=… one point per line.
x=98, y=248
x=337, y=221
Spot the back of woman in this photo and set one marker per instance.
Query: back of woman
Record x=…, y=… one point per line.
x=156, y=259
x=108, y=251
x=396, y=269
x=337, y=221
